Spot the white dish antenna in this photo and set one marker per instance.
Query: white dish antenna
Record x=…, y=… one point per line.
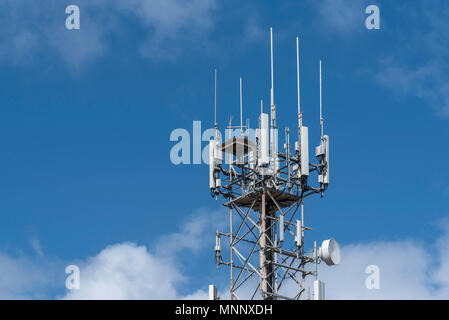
x=330, y=252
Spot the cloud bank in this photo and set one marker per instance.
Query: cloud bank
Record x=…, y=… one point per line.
x=131, y=271
x=409, y=269
x=119, y=271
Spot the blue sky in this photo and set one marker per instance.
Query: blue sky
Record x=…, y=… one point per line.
x=86, y=117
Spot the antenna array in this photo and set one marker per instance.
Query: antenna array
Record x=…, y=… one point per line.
x=265, y=190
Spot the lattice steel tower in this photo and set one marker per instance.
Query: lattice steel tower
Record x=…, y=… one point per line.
x=265, y=190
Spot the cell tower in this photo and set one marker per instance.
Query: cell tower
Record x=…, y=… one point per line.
x=264, y=190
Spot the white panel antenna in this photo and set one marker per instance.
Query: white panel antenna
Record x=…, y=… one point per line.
x=318, y=290
x=281, y=228
x=274, y=149
x=324, y=152
x=218, y=154
x=264, y=157
x=304, y=153
x=298, y=238
x=212, y=145
x=217, y=244
x=213, y=292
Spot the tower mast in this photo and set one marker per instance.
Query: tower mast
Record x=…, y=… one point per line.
x=264, y=191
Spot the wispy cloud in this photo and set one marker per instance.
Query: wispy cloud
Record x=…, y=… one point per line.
x=191, y=235
x=427, y=82
x=170, y=24
x=36, y=245
x=342, y=16
x=418, y=65
x=253, y=31
x=34, y=29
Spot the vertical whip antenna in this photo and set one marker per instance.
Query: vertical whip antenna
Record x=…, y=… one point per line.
x=273, y=130
x=273, y=106
x=321, y=105
x=297, y=78
x=241, y=108
x=215, y=105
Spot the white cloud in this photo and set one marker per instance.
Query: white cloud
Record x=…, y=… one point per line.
x=120, y=271
x=197, y=295
x=36, y=245
x=403, y=269
x=409, y=269
x=127, y=271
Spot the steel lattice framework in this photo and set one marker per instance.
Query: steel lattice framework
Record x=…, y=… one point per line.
x=258, y=204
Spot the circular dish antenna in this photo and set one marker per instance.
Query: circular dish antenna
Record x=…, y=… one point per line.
x=330, y=252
